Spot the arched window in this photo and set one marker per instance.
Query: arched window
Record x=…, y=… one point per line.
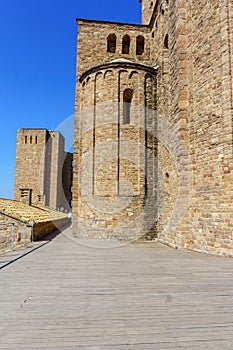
x=140, y=45
x=166, y=41
x=30, y=139
x=111, y=43
x=25, y=139
x=36, y=139
x=127, y=100
x=126, y=44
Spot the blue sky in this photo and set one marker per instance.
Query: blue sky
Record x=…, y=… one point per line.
x=37, y=65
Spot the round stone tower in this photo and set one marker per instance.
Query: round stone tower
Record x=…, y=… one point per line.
x=115, y=179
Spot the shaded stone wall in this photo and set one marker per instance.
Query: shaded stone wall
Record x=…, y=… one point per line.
x=56, y=165
x=67, y=179
x=175, y=180
x=41, y=229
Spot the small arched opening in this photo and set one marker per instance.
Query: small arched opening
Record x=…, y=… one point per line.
x=140, y=45
x=126, y=44
x=111, y=43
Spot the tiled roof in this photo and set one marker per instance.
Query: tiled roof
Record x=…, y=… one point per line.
x=28, y=213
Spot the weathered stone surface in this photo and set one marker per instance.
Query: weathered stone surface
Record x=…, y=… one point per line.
x=184, y=76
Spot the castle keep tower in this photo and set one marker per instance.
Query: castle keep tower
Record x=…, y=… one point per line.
x=43, y=172
x=115, y=131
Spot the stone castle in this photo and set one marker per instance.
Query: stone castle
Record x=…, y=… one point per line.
x=153, y=129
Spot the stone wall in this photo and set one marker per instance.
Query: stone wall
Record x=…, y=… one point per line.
x=210, y=88
x=200, y=115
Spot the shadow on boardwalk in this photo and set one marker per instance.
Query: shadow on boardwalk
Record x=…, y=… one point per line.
x=12, y=256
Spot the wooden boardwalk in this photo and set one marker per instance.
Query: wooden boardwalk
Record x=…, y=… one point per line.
x=142, y=296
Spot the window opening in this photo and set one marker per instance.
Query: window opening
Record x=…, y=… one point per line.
x=140, y=45
x=126, y=44
x=127, y=100
x=111, y=43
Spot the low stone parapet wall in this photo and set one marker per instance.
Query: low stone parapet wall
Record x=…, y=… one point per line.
x=15, y=233
x=41, y=229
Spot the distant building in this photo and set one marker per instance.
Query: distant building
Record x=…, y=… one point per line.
x=43, y=173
